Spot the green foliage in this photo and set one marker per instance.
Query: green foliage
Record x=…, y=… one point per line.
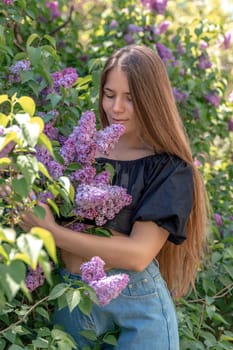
x=82, y=36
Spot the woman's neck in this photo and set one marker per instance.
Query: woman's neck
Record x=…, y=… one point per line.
x=128, y=149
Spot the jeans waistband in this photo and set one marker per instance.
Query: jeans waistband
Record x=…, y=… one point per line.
x=152, y=269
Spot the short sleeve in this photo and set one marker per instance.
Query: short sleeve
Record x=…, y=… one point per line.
x=167, y=199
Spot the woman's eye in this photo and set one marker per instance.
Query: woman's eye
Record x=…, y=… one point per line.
x=109, y=96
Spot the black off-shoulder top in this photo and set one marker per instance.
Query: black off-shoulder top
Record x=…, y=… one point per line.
x=161, y=186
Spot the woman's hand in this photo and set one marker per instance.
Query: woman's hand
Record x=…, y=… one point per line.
x=29, y=219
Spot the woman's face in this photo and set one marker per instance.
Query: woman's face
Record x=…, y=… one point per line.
x=117, y=102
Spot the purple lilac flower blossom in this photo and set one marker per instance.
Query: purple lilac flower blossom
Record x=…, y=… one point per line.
x=204, y=62
x=55, y=169
x=162, y=27
x=230, y=125
x=128, y=39
x=51, y=131
x=66, y=79
x=197, y=162
x=77, y=226
x=132, y=28
x=179, y=95
x=180, y=48
x=114, y=24
x=54, y=8
x=93, y=270
x=100, y=202
x=16, y=68
x=218, y=219
x=166, y=54
x=102, y=178
x=85, y=175
x=43, y=155
x=157, y=5
x=226, y=42
x=203, y=44
x=8, y=2
x=213, y=99
x=106, y=288
x=35, y=278
x=43, y=196
x=107, y=138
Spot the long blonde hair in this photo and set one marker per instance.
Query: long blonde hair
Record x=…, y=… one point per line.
x=161, y=127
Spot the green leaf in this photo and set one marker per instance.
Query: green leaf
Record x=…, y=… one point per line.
x=31, y=38
x=43, y=312
x=28, y=165
x=3, y=98
x=3, y=120
x=110, y=339
x=21, y=187
x=7, y=234
x=34, y=54
x=11, y=136
x=54, y=99
x=44, y=171
x=73, y=298
x=39, y=211
x=40, y=343
x=47, y=239
x=58, y=290
x=89, y=334
x=51, y=40
x=44, y=140
x=54, y=206
x=5, y=161
x=28, y=104
x=11, y=277
x=31, y=246
x=85, y=305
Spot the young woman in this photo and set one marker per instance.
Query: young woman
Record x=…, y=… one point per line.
x=161, y=232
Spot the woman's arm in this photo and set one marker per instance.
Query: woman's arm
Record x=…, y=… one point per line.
x=132, y=252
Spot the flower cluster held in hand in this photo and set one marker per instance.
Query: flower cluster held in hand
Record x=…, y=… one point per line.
x=105, y=287
x=95, y=197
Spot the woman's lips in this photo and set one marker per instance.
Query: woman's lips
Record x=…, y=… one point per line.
x=119, y=120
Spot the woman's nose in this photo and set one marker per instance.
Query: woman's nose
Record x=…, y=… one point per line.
x=118, y=104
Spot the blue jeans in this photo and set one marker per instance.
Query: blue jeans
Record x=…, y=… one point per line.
x=144, y=312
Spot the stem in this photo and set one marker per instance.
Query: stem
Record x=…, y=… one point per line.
x=25, y=316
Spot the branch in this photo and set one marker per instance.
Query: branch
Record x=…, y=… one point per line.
x=65, y=23
x=18, y=39
x=25, y=316
x=222, y=293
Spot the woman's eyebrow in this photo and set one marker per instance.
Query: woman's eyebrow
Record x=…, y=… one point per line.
x=110, y=90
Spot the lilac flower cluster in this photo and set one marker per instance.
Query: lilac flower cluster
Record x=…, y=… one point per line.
x=95, y=198
x=157, y=5
x=106, y=288
x=226, y=42
x=179, y=95
x=66, y=79
x=204, y=62
x=100, y=202
x=35, y=278
x=54, y=8
x=16, y=68
x=213, y=99
x=8, y=2
x=166, y=54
